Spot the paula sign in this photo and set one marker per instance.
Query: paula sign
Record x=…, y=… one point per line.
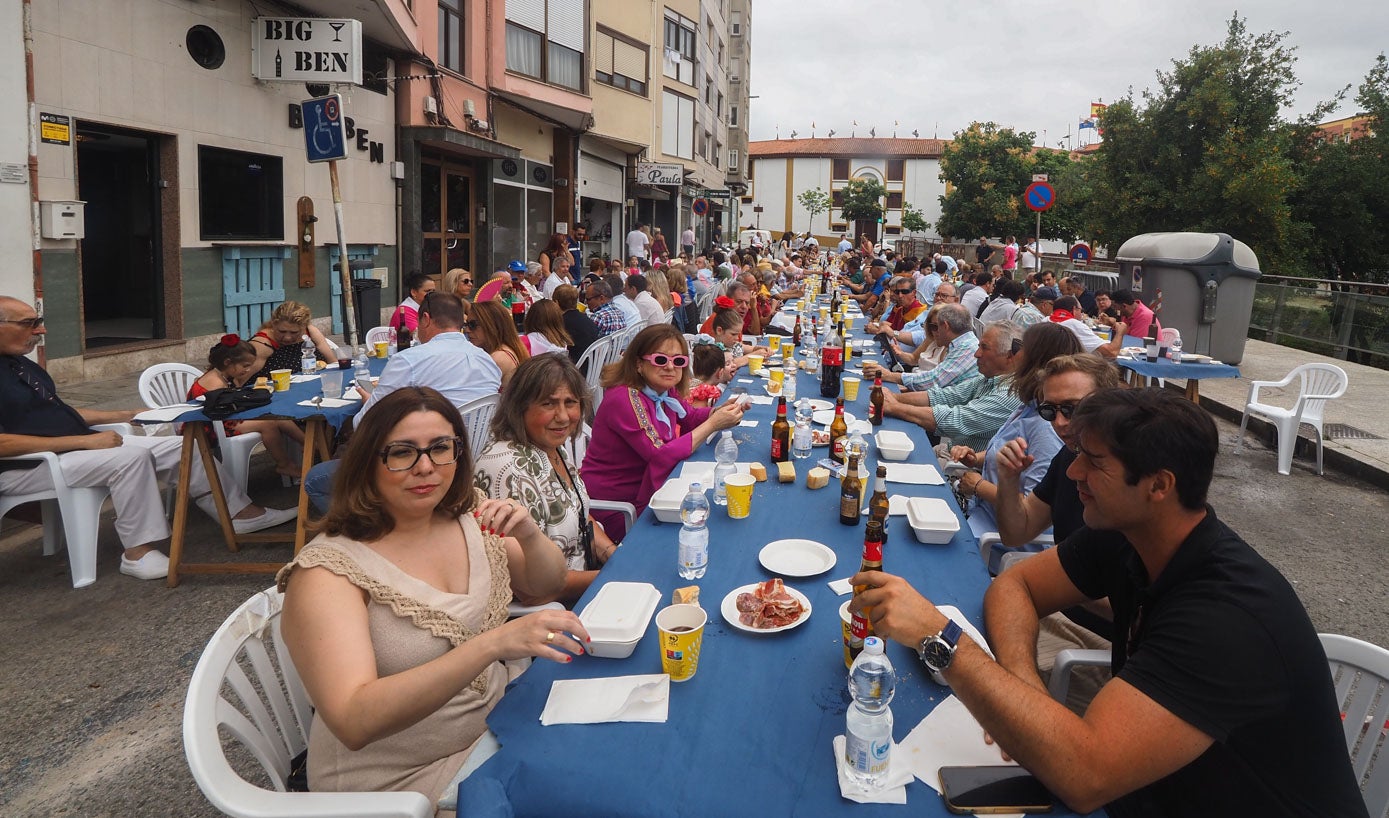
x=302, y=49
x=660, y=173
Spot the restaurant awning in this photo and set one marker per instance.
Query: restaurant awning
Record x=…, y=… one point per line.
x=452, y=140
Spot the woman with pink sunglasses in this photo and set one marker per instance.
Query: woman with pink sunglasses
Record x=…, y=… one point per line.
x=644, y=427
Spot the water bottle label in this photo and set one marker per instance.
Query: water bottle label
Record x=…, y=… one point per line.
x=866, y=757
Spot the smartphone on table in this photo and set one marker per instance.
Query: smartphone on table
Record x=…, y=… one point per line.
x=993, y=789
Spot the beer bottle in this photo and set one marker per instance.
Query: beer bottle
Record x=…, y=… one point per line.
x=850, y=494
x=875, y=401
x=839, y=433
x=796, y=333
x=781, y=434
x=831, y=363
x=878, y=504
x=860, y=626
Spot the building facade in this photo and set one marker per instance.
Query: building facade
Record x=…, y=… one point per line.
x=781, y=169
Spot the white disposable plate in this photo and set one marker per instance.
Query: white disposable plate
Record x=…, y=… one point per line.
x=729, y=609
x=820, y=405
x=796, y=558
x=825, y=417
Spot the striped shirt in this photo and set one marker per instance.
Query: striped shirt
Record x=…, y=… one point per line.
x=957, y=364
x=971, y=412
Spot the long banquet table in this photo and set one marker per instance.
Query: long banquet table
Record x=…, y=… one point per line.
x=751, y=733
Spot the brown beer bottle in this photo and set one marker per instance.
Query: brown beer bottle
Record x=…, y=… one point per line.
x=839, y=432
x=875, y=401
x=850, y=494
x=860, y=626
x=878, y=503
x=796, y=333
x=781, y=434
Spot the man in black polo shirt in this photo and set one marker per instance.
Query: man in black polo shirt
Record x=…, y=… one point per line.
x=1221, y=701
x=34, y=419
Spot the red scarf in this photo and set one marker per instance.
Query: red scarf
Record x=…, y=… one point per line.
x=1061, y=315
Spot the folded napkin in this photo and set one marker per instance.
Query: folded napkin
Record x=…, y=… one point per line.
x=840, y=586
x=948, y=737
x=748, y=423
x=166, y=413
x=891, y=790
x=621, y=698
x=302, y=378
x=328, y=403
x=762, y=400
x=896, y=504
x=919, y=473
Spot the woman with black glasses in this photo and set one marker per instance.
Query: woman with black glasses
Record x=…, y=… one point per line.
x=644, y=427
x=396, y=614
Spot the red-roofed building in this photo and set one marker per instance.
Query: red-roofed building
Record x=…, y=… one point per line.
x=779, y=170
x=1345, y=129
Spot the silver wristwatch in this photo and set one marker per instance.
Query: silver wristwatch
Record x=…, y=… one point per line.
x=937, y=651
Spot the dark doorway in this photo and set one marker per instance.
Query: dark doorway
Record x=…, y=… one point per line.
x=121, y=262
x=868, y=227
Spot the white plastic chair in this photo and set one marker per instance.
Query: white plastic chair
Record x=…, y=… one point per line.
x=1360, y=671
x=269, y=714
x=988, y=539
x=78, y=509
x=598, y=355
x=379, y=335
x=167, y=384
x=1318, y=383
x=477, y=419
x=1169, y=336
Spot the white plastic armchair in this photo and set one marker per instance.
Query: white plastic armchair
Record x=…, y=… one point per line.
x=477, y=418
x=598, y=355
x=265, y=709
x=1318, y=383
x=378, y=335
x=1168, y=336
x=989, y=539
x=71, y=513
x=168, y=384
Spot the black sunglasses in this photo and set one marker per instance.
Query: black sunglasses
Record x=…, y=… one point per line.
x=907, y=291
x=31, y=323
x=1048, y=410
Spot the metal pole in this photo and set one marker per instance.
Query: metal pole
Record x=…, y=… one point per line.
x=349, y=307
x=1037, y=264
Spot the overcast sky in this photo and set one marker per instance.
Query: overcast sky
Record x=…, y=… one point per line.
x=936, y=66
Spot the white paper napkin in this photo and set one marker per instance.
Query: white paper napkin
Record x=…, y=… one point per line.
x=748, y=423
x=594, y=701
x=948, y=737
x=891, y=790
x=918, y=473
x=762, y=400
x=302, y=378
x=330, y=403
x=166, y=413
x=840, y=586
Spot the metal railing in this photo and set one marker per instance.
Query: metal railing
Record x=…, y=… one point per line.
x=1344, y=320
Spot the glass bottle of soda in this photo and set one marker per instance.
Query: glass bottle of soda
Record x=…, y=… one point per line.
x=831, y=364
x=875, y=401
x=839, y=433
x=781, y=434
x=860, y=626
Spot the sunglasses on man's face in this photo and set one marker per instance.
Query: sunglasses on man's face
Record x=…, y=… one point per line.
x=658, y=359
x=1048, y=410
x=29, y=323
x=907, y=291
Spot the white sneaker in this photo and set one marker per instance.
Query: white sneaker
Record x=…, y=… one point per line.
x=153, y=565
x=269, y=518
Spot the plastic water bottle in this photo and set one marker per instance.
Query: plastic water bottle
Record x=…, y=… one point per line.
x=800, y=439
x=726, y=453
x=309, y=361
x=1176, y=350
x=694, y=536
x=868, y=724
x=361, y=370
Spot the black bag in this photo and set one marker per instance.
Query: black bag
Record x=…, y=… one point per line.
x=223, y=403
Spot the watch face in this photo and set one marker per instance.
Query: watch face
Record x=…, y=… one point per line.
x=937, y=654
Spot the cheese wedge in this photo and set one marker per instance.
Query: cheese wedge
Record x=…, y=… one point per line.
x=758, y=471
x=786, y=472
x=688, y=595
x=817, y=478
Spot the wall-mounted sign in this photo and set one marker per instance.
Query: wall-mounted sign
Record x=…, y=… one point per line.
x=660, y=173
x=301, y=49
x=55, y=129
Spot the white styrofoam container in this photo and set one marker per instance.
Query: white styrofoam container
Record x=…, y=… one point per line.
x=665, y=503
x=617, y=616
x=894, y=445
x=933, y=521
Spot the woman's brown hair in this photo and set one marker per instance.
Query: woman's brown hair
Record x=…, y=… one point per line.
x=290, y=312
x=1041, y=343
x=624, y=371
x=547, y=318
x=534, y=381
x=356, y=510
x=559, y=243
x=494, y=329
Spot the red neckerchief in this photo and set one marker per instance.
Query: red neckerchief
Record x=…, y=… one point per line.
x=1061, y=315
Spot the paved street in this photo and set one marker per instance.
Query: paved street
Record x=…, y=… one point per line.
x=94, y=679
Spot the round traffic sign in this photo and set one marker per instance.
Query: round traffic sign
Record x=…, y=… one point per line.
x=330, y=109
x=1039, y=196
x=700, y=207
x=1080, y=251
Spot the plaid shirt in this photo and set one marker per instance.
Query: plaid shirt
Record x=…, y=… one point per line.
x=957, y=364
x=609, y=318
x=971, y=411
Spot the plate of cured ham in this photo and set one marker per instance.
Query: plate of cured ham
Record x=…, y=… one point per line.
x=765, y=607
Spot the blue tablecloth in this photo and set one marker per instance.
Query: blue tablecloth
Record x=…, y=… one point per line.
x=1164, y=368
x=751, y=732
x=286, y=404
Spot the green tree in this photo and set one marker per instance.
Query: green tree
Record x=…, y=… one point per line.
x=815, y=202
x=863, y=199
x=913, y=220
x=1205, y=151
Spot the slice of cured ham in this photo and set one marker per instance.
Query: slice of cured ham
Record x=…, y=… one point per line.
x=768, y=606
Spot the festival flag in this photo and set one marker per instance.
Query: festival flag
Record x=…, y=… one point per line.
x=1086, y=123
x=1097, y=109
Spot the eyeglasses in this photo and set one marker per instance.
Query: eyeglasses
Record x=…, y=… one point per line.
x=658, y=359
x=471, y=326
x=947, y=296
x=907, y=291
x=1048, y=410
x=465, y=281
x=404, y=456
x=32, y=323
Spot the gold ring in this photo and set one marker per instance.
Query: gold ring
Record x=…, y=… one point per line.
x=550, y=637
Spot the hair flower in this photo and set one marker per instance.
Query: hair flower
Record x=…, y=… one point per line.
x=725, y=302
x=231, y=339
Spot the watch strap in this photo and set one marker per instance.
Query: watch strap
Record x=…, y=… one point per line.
x=951, y=633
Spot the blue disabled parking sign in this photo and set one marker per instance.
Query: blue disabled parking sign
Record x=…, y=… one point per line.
x=325, y=128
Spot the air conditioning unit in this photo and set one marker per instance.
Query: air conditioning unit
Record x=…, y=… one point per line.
x=431, y=106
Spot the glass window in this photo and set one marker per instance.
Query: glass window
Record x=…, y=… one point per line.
x=678, y=126
x=240, y=195
x=566, y=67
x=508, y=242
x=733, y=116
x=680, y=49
x=523, y=52
x=451, y=34
x=539, y=210
x=545, y=40
x=840, y=169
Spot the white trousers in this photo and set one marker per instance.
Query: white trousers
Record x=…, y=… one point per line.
x=132, y=471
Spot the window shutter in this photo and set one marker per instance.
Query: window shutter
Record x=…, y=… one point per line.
x=603, y=52
x=629, y=61
x=566, y=19
x=528, y=13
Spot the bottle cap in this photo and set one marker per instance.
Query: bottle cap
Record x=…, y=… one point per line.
x=873, y=645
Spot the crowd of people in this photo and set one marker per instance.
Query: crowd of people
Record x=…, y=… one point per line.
x=396, y=614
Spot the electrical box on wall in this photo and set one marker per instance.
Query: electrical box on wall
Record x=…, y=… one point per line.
x=62, y=219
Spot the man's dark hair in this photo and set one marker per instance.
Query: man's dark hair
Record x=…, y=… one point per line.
x=1069, y=303
x=984, y=277
x=942, y=267
x=1122, y=297
x=601, y=289
x=415, y=280
x=446, y=309
x=719, y=258
x=638, y=283
x=614, y=282
x=1152, y=430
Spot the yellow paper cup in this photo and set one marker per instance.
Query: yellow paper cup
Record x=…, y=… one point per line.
x=755, y=364
x=381, y=348
x=851, y=387
x=280, y=377
x=778, y=375
x=681, y=631
x=848, y=323
x=739, y=495
x=824, y=314
x=774, y=345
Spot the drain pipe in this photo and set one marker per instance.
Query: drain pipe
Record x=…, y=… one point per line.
x=33, y=118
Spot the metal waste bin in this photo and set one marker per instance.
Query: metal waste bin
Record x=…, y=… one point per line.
x=366, y=301
x=1206, y=281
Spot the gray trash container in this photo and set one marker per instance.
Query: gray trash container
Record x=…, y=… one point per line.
x=366, y=300
x=1207, y=285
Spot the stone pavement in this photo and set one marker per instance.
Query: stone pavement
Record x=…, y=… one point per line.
x=94, y=679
